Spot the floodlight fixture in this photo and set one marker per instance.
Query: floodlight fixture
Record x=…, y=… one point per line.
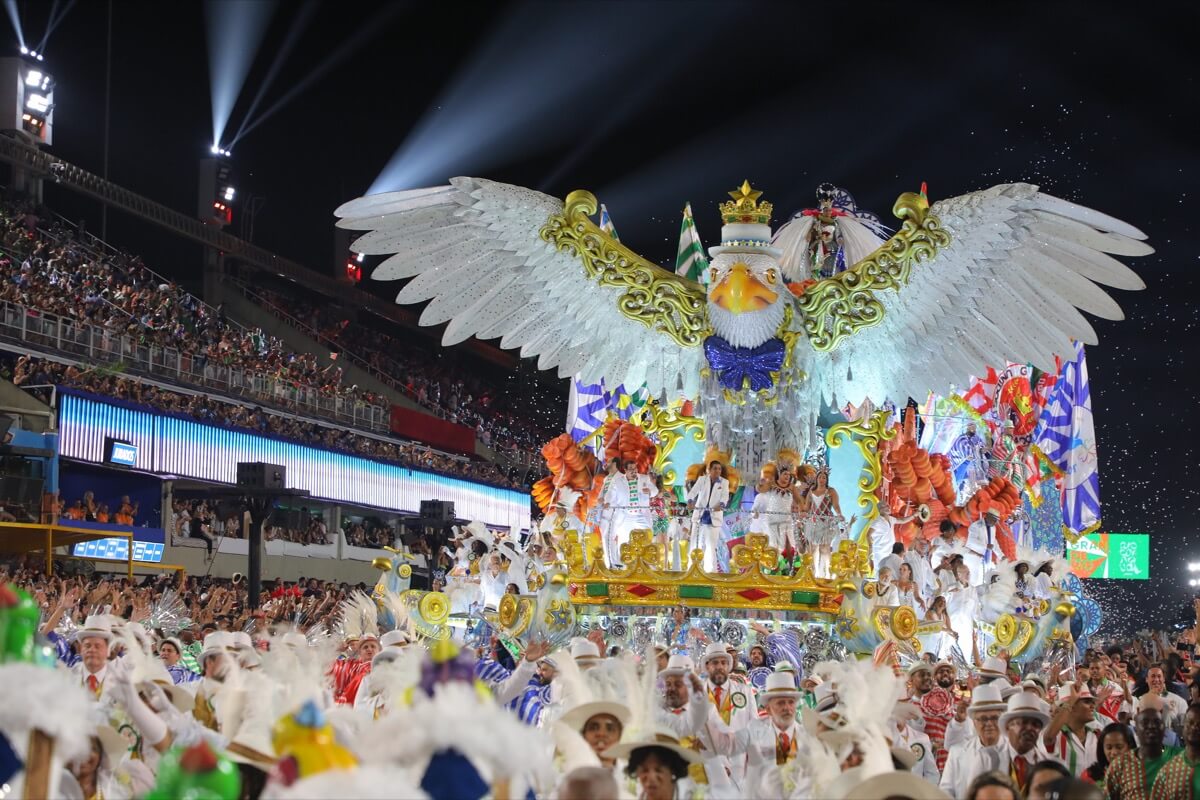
x=24, y=50
x=1194, y=566
x=38, y=103
x=229, y=192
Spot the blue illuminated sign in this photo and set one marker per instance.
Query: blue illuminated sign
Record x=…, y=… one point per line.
x=168, y=445
x=118, y=550
x=123, y=454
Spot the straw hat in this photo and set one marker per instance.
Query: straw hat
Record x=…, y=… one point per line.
x=578, y=716
x=677, y=664
x=986, y=697
x=779, y=684
x=663, y=738
x=993, y=667
x=585, y=652
x=294, y=639
x=112, y=744
x=96, y=626
x=216, y=642
x=1025, y=704
x=395, y=638
x=714, y=651
x=1035, y=684
x=896, y=784
x=920, y=665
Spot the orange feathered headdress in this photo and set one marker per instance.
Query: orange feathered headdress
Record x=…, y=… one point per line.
x=712, y=454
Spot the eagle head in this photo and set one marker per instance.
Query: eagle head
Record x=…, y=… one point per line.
x=746, y=297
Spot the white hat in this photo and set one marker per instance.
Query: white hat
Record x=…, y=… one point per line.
x=662, y=737
x=241, y=640
x=677, y=664
x=779, y=684
x=1007, y=690
x=943, y=663
x=1025, y=704
x=920, y=665
x=1034, y=684
x=585, y=650
x=112, y=744
x=714, y=651
x=395, y=638
x=216, y=642
x=896, y=784
x=986, y=697
x=1081, y=689
x=578, y=716
x=96, y=626
x=182, y=698
x=815, y=680
x=993, y=667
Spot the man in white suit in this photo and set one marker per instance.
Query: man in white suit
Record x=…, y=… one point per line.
x=628, y=498
x=95, y=639
x=706, y=502
x=732, y=702
x=985, y=751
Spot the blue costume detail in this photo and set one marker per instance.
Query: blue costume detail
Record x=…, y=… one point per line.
x=734, y=365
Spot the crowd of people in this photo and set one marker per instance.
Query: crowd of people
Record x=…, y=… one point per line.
x=36, y=372
x=45, y=266
x=169, y=665
x=451, y=390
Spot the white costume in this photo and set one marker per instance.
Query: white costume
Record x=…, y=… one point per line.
x=711, y=497
x=628, y=502
x=981, y=549
x=970, y=759
x=739, y=704
x=909, y=738
x=882, y=537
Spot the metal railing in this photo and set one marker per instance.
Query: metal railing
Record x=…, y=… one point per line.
x=94, y=344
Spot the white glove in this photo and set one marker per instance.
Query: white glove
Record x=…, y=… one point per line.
x=153, y=729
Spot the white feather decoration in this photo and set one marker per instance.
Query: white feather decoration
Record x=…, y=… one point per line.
x=49, y=700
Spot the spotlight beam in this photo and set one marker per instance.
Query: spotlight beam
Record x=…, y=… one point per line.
x=53, y=23
x=539, y=79
x=234, y=31
x=299, y=23
x=11, y=7
x=365, y=33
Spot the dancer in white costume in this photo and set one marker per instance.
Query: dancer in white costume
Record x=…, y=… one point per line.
x=628, y=503
x=824, y=527
x=774, y=508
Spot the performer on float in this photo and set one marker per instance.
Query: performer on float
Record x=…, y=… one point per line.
x=825, y=526
x=823, y=241
x=706, y=503
x=776, y=504
x=882, y=535
x=980, y=555
x=969, y=460
x=628, y=502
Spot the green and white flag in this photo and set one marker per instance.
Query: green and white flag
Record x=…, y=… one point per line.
x=689, y=260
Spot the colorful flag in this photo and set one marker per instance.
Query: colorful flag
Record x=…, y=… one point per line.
x=1067, y=437
x=689, y=260
x=606, y=224
x=590, y=405
x=980, y=396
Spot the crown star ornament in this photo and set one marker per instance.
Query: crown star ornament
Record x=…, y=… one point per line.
x=745, y=207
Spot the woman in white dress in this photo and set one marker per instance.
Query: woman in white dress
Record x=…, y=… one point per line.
x=907, y=590
x=961, y=603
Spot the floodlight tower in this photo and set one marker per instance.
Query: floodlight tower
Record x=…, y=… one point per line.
x=215, y=198
x=27, y=111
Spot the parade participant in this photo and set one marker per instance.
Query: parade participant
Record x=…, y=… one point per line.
x=628, y=497
x=1073, y=733
x=1179, y=778
x=1023, y=722
x=917, y=558
x=1132, y=776
x=981, y=546
x=771, y=741
x=531, y=689
x=216, y=665
x=906, y=737
x=945, y=543
x=1116, y=740
x=691, y=719
x=908, y=593
x=824, y=527
x=601, y=724
x=936, y=704
x=1047, y=780
x=589, y=783
x=170, y=652
x=706, y=502
x=347, y=675
x=981, y=753
x=886, y=593
x=732, y=703
x=882, y=535
x=660, y=765
x=94, y=640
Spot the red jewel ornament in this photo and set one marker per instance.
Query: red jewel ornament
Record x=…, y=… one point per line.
x=938, y=702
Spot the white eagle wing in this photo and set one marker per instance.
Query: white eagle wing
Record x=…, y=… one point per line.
x=1009, y=287
x=474, y=251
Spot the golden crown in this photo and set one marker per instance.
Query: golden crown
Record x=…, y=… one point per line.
x=745, y=208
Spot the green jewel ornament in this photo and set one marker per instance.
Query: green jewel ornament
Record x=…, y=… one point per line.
x=197, y=773
x=19, y=617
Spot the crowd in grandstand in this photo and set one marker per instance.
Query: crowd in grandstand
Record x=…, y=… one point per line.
x=433, y=381
x=35, y=372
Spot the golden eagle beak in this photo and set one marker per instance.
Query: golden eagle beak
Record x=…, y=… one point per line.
x=741, y=291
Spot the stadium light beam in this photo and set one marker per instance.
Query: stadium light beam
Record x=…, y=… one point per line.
x=299, y=24
x=234, y=30
x=365, y=33
x=15, y=18
x=57, y=14
x=536, y=81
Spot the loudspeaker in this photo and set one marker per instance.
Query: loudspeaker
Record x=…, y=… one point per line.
x=257, y=475
x=442, y=510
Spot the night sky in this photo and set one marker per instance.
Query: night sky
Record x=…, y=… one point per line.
x=650, y=105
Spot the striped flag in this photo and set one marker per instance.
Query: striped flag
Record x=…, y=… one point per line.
x=606, y=224
x=689, y=260
x=590, y=404
x=1068, y=439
